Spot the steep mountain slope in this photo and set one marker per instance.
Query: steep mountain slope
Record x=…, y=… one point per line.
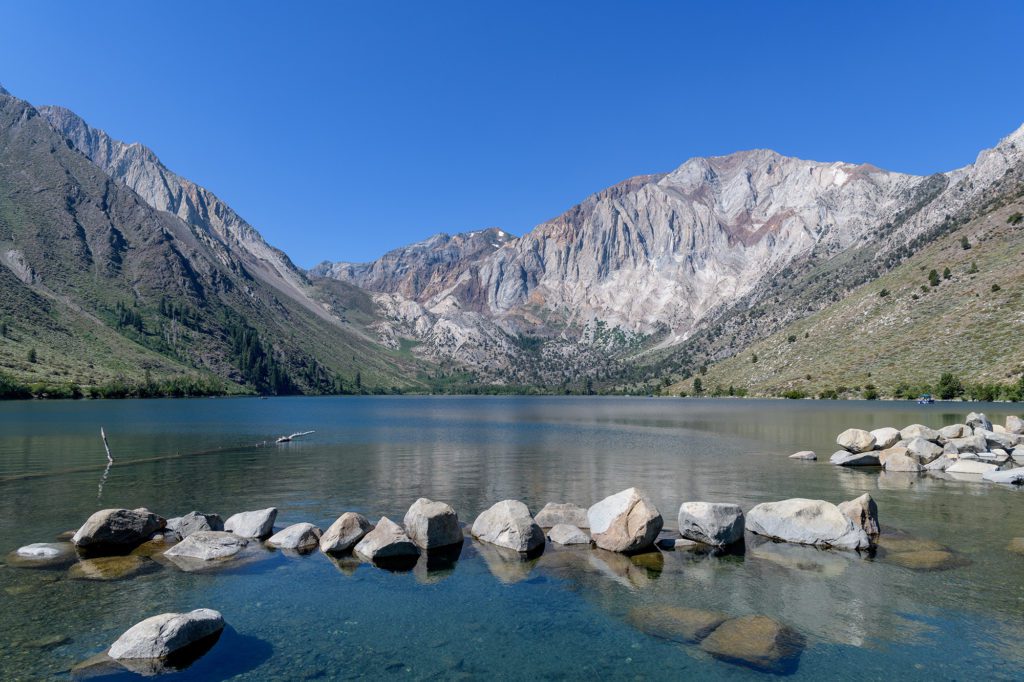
x=113, y=270
x=903, y=330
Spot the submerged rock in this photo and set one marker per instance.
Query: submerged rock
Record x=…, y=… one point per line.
x=160, y=636
x=756, y=641
x=117, y=527
x=713, y=523
x=432, y=525
x=1010, y=476
x=625, y=522
x=806, y=455
x=926, y=559
x=886, y=437
x=207, y=545
x=806, y=522
x=111, y=568
x=853, y=459
x=345, y=533
x=565, y=534
x=856, y=440
x=387, y=542
x=555, y=513
x=675, y=623
x=508, y=524
x=42, y=555
x=298, y=536
x=252, y=524
x=508, y=565
x=863, y=512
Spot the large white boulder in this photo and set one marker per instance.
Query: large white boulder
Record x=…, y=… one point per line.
x=345, y=533
x=845, y=458
x=919, y=431
x=863, y=511
x=386, y=541
x=432, y=524
x=252, y=524
x=886, y=437
x=713, y=523
x=1014, y=424
x=509, y=524
x=972, y=443
x=924, y=450
x=806, y=522
x=555, y=513
x=978, y=420
x=1006, y=441
x=194, y=521
x=118, y=527
x=208, y=545
x=1012, y=476
x=856, y=440
x=902, y=461
x=160, y=636
x=955, y=431
x=625, y=522
x=296, y=536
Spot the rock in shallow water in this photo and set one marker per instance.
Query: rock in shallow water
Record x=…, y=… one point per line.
x=432, y=525
x=555, y=513
x=111, y=568
x=297, y=536
x=566, y=534
x=713, y=523
x=970, y=466
x=856, y=440
x=806, y=522
x=117, y=527
x=345, y=533
x=886, y=437
x=162, y=635
x=806, y=455
x=863, y=511
x=675, y=623
x=195, y=521
x=252, y=524
x=853, y=459
x=386, y=542
x=625, y=522
x=756, y=641
x=508, y=524
x=208, y=545
x=902, y=461
x=1010, y=476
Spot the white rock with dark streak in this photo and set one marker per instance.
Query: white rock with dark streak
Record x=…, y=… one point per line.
x=978, y=420
x=844, y=458
x=863, y=511
x=122, y=527
x=1010, y=476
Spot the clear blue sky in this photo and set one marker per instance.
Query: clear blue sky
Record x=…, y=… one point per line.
x=341, y=130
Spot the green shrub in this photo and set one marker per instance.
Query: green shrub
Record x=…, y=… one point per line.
x=870, y=392
x=995, y=288
x=933, y=278
x=883, y=293
x=1015, y=218
x=964, y=244
x=794, y=394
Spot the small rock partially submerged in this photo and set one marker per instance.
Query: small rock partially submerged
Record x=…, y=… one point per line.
x=111, y=568
x=713, y=523
x=625, y=522
x=298, y=536
x=194, y=521
x=806, y=455
x=565, y=534
x=208, y=545
x=757, y=642
x=161, y=636
x=806, y=522
x=387, y=542
x=844, y=458
x=252, y=524
x=345, y=533
x=555, y=513
x=42, y=555
x=675, y=623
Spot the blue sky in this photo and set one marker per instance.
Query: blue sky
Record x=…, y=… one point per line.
x=341, y=130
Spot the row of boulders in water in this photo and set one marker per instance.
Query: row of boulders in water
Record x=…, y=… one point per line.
x=994, y=452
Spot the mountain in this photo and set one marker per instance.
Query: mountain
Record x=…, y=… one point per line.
x=662, y=273
x=103, y=285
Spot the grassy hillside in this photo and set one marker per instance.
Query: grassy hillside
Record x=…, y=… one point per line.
x=900, y=332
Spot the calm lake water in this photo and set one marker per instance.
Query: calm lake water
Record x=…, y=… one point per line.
x=564, y=615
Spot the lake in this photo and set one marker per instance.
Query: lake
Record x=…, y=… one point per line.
x=569, y=614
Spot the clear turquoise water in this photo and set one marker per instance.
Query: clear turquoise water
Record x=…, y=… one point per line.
x=562, y=616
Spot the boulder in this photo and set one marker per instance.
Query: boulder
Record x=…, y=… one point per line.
x=998, y=428
x=923, y=450
x=345, y=533
x=713, y=523
x=252, y=524
x=118, y=527
x=804, y=455
x=940, y=464
x=972, y=443
x=884, y=455
x=970, y=466
x=508, y=524
x=555, y=513
x=194, y=521
x=1018, y=454
x=919, y=431
x=386, y=541
x=1006, y=441
x=757, y=642
x=565, y=534
x=845, y=458
x=863, y=512
x=955, y=431
x=856, y=440
x=432, y=524
x=1014, y=424
x=296, y=536
x=208, y=545
x=806, y=522
x=675, y=623
x=160, y=636
x=625, y=522
x=950, y=449
x=1010, y=476
x=978, y=420
x=885, y=437
x=902, y=462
